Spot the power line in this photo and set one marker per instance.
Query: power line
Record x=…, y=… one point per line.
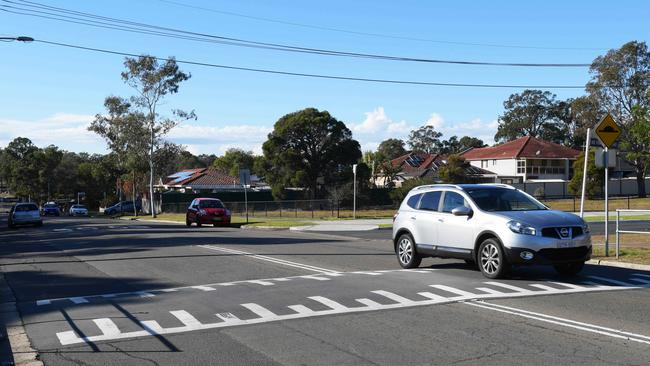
x=371, y=34
x=319, y=76
x=77, y=17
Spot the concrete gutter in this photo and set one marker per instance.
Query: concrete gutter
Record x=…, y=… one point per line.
x=15, y=338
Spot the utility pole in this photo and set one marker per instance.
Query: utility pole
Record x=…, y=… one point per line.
x=354, y=192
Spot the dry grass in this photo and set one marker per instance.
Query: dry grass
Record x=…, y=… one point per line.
x=599, y=205
x=635, y=248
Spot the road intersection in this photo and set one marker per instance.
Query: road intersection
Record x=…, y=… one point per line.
x=136, y=293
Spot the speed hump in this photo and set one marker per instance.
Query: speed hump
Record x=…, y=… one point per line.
x=608, y=131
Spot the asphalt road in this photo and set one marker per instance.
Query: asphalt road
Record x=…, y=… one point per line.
x=100, y=291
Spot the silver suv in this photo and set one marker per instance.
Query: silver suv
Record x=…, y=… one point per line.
x=492, y=225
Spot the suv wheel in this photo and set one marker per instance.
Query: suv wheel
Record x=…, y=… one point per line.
x=405, y=250
x=569, y=269
x=491, y=260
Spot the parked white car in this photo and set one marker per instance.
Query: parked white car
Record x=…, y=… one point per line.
x=78, y=210
x=24, y=214
x=492, y=225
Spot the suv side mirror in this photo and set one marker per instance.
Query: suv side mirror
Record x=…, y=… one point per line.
x=461, y=211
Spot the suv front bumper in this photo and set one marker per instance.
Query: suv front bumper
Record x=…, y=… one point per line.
x=549, y=255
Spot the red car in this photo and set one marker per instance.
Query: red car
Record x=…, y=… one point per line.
x=209, y=211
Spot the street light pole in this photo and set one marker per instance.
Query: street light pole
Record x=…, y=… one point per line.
x=354, y=192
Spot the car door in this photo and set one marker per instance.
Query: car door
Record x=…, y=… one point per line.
x=191, y=211
x=455, y=232
x=426, y=220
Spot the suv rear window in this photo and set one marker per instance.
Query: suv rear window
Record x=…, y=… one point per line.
x=413, y=201
x=430, y=201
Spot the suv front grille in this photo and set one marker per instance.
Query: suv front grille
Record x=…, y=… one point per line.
x=555, y=232
x=554, y=254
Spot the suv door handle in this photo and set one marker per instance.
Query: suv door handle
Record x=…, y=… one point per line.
x=441, y=220
x=413, y=218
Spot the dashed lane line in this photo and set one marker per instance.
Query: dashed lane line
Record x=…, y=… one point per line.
x=564, y=322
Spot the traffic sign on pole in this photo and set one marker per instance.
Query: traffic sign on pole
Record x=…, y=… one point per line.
x=608, y=131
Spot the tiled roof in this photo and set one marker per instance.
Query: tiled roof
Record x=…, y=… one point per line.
x=182, y=177
x=414, y=162
x=524, y=147
x=212, y=177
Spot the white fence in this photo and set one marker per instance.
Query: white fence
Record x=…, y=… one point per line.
x=619, y=231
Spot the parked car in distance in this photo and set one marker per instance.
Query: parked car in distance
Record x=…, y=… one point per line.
x=493, y=226
x=210, y=211
x=78, y=210
x=122, y=207
x=24, y=214
x=51, y=208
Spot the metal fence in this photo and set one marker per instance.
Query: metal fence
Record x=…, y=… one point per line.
x=292, y=209
x=619, y=231
x=572, y=203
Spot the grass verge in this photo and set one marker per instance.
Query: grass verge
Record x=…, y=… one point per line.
x=238, y=221
x=635, y=248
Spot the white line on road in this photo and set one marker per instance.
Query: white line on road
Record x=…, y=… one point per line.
x=562, y=322
x=107, y=327
x=270, y=259
x=261, y=311
x=506, y=286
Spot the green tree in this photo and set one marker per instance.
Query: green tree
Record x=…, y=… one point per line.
x=235, y=159
x=620, y=81
x=467, y=142
x=450, y=146
x=595, y=177
x=391, y=149
x=22, y=167
x=307, y=146
x=531, y=113
x=454, y=170
x=398, y=194
x=153, y=81
x=424, y=140
x=49, y=158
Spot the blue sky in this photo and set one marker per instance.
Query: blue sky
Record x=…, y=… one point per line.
x=49, y=94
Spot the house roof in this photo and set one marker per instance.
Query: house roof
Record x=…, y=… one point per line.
x=524, y=147
x=415, y=162
x=212, y=177
x=182, y=177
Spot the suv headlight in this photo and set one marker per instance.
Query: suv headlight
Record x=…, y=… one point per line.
x=585, y=229
x=521, y=228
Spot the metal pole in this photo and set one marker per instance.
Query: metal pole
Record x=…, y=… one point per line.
x=618, y=245
x=354, y=199
x=246, y=201
x=584, y=173
x=606, y=202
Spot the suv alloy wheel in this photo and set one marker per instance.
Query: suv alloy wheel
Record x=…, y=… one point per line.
x=491, y=260
x=405, y=250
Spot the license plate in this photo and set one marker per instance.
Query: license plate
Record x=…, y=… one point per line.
x=216, y=219
x=566, y=244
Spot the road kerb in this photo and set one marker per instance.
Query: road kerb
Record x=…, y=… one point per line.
x=21, y=349
x=600, y=262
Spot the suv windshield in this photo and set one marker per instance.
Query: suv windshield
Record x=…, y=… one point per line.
x=210, y=204
x=503, y=199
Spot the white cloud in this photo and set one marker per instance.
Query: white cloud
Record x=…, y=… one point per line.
x=435, y=120
x=374, y=122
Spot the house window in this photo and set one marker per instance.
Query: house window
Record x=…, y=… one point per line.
x=521, y=166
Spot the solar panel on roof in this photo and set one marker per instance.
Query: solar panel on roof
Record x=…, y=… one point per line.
x=180, y=176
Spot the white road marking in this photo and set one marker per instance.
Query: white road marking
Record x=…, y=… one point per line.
x=432, y=296
x=563, y=322
x=329, y=303
x=369, y=273
x=395, y=297
x=453, y=290
x=543, y=287
x=107, y=327
x=78, y=300
x=314, y=277
x=269, y=259
x=186, y=318
x=369, y=303
x=204, y=288
x=509, y=287
x=645, y=282
x=301, y=309
x=259, y=310
x=145, y=294
x=152, y=326
x=491, y=291
x=228, y=317
x=283, y=279
x=569, y=285
x=641, y=275
x=43, y=302
x=260, y=282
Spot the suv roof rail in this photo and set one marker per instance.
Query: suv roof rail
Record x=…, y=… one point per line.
x=498, y=185
x=442, y=185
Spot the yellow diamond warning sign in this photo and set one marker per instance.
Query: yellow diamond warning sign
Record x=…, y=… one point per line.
x=608, y=131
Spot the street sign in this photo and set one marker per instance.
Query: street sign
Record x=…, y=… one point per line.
x=244, y=177
x=608, y=131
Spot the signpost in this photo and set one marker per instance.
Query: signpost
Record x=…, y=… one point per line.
x=354, y=192
x=244, y=179
x=607, y=131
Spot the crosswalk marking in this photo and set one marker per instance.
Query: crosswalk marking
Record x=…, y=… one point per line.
x=329, y=303
x=509, y=287
x=204, y=288
x=369, y=303
x=259, y=310
x=186, y=318
x=301, y=309
x=395, y=297
x=609, y=280
x=432, y=296
x=228, y=317
x=490, y=291
x=543, y=287
x=78, y=300
x=645, y=282
x=453, y=290
x=569, y=285
x=317, y=278
x=260, y=282
x=107, y=327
